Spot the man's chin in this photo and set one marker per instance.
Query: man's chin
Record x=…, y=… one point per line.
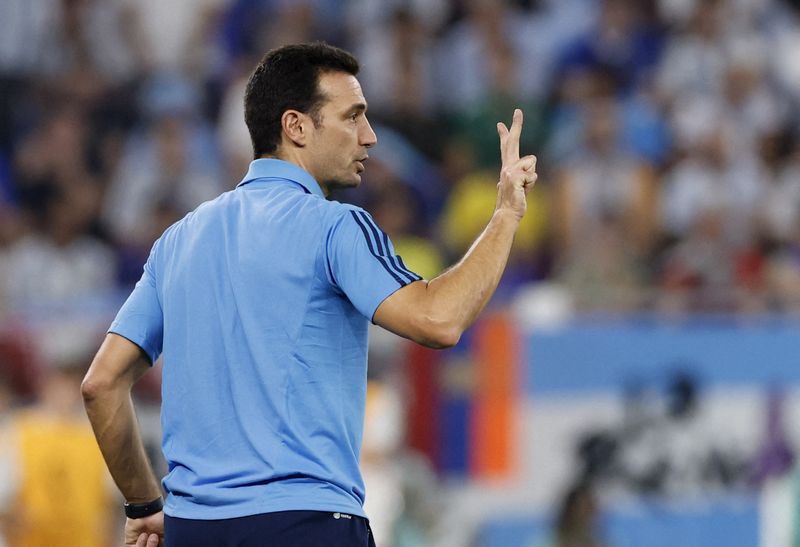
x=341, y=183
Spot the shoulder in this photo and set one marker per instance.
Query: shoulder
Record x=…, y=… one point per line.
x=334, y=214
x=201, y=214
x=338, y=208
x=346, y=210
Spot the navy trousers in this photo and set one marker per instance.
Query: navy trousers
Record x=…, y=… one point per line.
x=281, y=529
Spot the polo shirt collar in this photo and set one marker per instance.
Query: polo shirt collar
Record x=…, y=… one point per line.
x=271, y=168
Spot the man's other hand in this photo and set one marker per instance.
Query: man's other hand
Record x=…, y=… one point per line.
x=145, y=532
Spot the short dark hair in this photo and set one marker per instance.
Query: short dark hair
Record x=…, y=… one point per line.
x=288, y=78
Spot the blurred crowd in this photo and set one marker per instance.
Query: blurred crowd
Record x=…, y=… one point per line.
x=666, y=131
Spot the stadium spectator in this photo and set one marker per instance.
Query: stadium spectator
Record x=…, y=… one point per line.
x=783, y=275
x=603, y=271
x=604, y=180
x=402, y=501
x=55, y=157
x=57, y=491
x=397, y=70
x=692, y=185
x=61, y=261
x=699, y=269
x=167, y=168
x=778, y=210
x=471, y=57
x=695, y=55
x=171, y=35
x=624, y=40
x=95, y=43
x=234, y=141
x=399, y=74
x=783, y=36
x=28, y=55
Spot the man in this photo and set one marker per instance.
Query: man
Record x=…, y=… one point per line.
x=260, y=300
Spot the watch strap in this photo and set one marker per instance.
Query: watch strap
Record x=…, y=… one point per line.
x=141, y=510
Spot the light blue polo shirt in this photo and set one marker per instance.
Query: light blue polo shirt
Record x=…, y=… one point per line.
x=260, y=300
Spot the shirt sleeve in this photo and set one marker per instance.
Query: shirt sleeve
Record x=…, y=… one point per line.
x=141, y=319
x=362, y=262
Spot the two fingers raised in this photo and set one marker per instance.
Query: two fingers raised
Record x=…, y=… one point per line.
x=509, y=139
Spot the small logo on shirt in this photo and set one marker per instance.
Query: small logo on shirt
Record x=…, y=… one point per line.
x=341, y=516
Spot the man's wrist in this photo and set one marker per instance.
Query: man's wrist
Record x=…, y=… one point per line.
x=506, y=214
x=141, y=510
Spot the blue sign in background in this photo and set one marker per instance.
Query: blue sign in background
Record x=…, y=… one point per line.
x=652, y=525
x=592, y=357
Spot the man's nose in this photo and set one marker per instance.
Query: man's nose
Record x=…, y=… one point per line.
x=368, y=136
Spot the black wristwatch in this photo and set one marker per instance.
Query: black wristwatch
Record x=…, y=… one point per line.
x=141, y=510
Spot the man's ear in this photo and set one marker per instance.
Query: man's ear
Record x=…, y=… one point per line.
x=295, y=126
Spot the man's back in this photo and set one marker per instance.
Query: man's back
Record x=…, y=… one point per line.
x=264, y=351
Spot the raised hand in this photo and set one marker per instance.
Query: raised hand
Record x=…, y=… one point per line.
x=517, y=175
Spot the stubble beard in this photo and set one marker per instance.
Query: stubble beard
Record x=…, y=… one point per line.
x=336, y=183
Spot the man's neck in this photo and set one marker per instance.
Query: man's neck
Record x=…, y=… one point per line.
x=298, y=161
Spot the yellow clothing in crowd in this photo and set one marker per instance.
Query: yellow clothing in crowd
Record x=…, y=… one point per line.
x=420, y=255
x=63, y=495
x=470, y=206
